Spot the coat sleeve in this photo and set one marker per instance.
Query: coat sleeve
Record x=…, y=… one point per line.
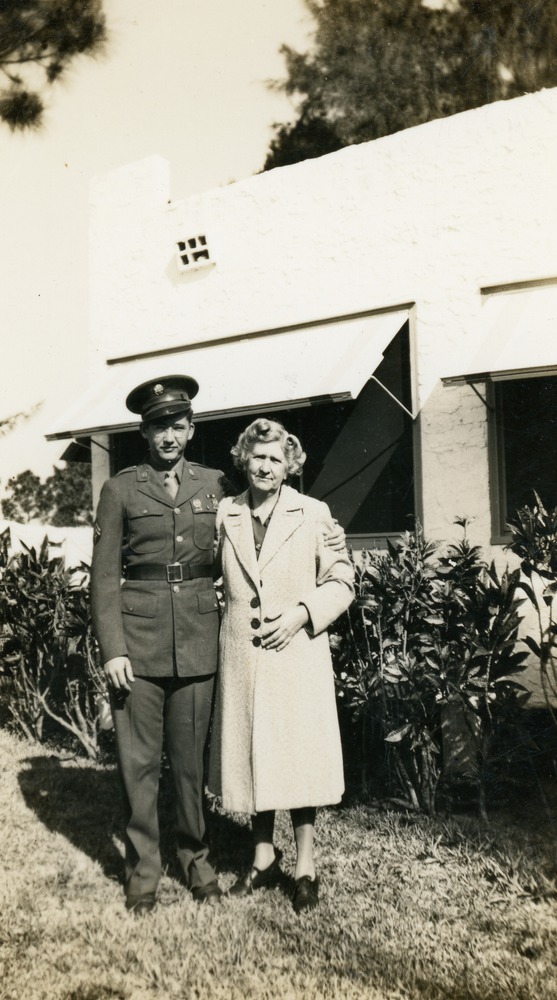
x=106, y=572
x=334, y=587
x=217, y=544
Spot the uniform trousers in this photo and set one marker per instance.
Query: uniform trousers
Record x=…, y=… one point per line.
x=181, y=708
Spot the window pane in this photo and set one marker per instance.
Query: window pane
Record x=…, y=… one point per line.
x=360, y=456
x=527, y=430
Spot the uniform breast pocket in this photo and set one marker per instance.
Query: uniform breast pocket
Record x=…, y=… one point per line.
x=203, y=527
x=146, y=531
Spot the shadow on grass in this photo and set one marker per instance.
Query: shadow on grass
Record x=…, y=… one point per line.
x=83, y=803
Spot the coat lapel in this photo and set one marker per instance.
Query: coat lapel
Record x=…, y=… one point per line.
x=287, y=518
x=239, y=531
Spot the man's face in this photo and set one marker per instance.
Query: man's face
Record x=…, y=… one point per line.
x=167, y=438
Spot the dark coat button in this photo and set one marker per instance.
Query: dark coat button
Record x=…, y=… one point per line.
x=254, y=603
x=256, y=640
x=255, y=623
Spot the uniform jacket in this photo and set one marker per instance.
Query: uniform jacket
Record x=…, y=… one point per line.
x=276, y=742
x=164, y=628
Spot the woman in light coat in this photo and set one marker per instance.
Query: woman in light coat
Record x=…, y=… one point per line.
x=276, y=741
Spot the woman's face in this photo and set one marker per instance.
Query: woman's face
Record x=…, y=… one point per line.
x=266, y=468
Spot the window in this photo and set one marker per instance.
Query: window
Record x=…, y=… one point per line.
x=523, y=446
x=193, y=253
x=360, y=452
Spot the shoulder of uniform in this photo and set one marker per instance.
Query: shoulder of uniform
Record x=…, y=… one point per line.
x=216, y=477
x=206, y=468
x=122, y=472
x=206, y=472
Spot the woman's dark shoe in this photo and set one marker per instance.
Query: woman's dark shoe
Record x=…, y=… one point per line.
x=257, y=879
x=306, y=893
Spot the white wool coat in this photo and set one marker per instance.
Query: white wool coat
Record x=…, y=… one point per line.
x=276, y=741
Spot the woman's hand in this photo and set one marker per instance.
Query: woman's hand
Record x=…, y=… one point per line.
x=278, y=631
x=119, y=674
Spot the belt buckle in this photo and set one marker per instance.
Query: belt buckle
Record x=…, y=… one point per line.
x=174, y=573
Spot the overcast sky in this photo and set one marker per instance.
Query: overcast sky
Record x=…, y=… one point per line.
x=179, y=78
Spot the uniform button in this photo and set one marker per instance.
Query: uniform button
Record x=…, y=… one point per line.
x=256, y=640
x=176, y=589
x=255, y=623
x=254, y=603
x=177, y=510
x=179, y=538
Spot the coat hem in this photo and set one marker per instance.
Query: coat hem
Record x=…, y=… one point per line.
x=278, y=806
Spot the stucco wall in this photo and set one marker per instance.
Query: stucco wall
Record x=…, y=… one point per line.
x=430, y=215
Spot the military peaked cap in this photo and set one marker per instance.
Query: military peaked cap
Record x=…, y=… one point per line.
x=162, y=397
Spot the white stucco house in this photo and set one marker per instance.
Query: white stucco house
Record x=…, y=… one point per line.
x=394, y=303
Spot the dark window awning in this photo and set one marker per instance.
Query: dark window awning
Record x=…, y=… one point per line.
x=259, y=372
x=519, y=338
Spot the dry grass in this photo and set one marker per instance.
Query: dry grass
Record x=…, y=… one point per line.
x=411, y=909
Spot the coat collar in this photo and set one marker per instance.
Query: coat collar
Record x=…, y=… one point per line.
x=149, y=481
x=287, y=518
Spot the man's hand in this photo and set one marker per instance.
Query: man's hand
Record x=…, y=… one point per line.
x=282, y=628
x=119, y=673
x=334, y=537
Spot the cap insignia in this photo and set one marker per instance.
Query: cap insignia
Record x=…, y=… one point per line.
x=158, y=389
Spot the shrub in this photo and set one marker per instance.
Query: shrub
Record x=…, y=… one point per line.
x=534, y=541
x=429, y=632
x=50, y=656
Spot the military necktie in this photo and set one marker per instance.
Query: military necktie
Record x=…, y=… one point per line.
x=171, y=483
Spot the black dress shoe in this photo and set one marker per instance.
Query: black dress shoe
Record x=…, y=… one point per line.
x=141, y=905
x=257, y=879
x=306, y=893
x=210, y=893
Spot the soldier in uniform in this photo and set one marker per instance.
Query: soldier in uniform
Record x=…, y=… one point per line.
x=157, y=633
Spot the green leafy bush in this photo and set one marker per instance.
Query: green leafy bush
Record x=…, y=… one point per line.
x=50, y=662
x=534, y=540
x=431, y=636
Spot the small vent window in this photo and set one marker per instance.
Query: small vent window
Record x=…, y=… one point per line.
x=193, y=253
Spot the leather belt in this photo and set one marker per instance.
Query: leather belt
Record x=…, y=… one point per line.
x=171, y=573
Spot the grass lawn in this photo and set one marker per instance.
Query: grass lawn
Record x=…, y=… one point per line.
x=411, y=908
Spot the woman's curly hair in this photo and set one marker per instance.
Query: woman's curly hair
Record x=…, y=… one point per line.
x=264, y=431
